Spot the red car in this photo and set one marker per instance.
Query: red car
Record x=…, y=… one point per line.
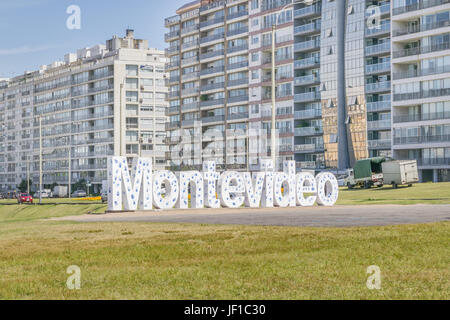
x=24, y=198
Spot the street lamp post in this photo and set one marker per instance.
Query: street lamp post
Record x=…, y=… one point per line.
x=40, y=159
x=274, y=111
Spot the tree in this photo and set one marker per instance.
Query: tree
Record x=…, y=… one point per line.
x=23, y=187
x=79, y=185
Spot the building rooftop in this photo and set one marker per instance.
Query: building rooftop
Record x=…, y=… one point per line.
x=188, y=6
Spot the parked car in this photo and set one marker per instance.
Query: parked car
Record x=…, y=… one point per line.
x=44, y=194
x=79, y=194
x=24, y=198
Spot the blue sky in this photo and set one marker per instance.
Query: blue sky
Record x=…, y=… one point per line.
x=35, y=32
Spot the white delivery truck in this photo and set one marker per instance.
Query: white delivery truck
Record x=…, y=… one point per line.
x=60, y=192
x=401, y=172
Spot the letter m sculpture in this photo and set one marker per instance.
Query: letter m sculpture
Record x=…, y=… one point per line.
x=127, y=192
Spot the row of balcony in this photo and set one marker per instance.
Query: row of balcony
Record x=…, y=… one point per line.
x=422, y=94
x=422, y=139
x=421, y=50
x=421, y=72
x=422, y=117
x=418, y=5
x=422, y=28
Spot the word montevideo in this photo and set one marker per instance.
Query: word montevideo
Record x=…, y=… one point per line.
x=143, y=189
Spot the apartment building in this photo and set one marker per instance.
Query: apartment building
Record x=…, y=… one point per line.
x=101, y=101
x=337, y=63
x=421, y=85
x=220, y=77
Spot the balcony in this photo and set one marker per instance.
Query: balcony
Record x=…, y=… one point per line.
x=190, y=106
x=422, y=117
x=171, y=35
x=380, y=144
x=379, y=125
x=219, y=118
x=236, y=32
x=237, y=65
x=243, y=98
x=421, y=50
x=422, y=139
x=378, y=87
x=268, y=5
x=212, y=86
x=307, y=97
x=210, y=103
x=422, y=28
x=308, y=114
x=211, y=38
x=237, y=116
x=306, y=63
x=421, y=73
x=384, y=9
x=307, y=11
x=188, y=61
x=422, y=94
x=190, y=29
x=306, y=45
x=174, y=79
x=237, y=49
x=308, y=131
x=378, y=106
x=238, y=82
x=378, y=68
x=309, y=148
x=212, y=70
x=212, y=54
x=174, y=109
x=173, y=125
x=189, y=91
x=211, y=22
x=191, y=75
x=172, y=50
x=421, y=4
x=432, y=162
x=189, y=45
x=172, y=20
x=377, y=49
x=310, y=165
x=189, y=123
x=236, y=15
x=172, y=94
x=384, y=28
x=306, y=80
x=307, y=28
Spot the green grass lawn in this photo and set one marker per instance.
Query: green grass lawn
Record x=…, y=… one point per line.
x=422, y=193
x=182, y=261
x=171, y=261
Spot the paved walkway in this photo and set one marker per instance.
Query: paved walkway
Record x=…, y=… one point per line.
x=337, y=216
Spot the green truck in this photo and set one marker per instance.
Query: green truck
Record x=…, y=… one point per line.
x=365, y=174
